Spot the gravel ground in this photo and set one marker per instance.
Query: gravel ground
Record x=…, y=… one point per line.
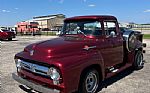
x=126, y=82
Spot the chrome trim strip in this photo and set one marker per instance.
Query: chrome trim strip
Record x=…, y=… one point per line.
x=91, y=47
x=36, y=87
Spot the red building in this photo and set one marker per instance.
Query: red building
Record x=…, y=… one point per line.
x=28, y=28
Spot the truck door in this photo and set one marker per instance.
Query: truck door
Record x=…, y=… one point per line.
x=115, y=44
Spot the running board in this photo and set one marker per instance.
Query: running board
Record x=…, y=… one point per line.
x=115, y=70
x=112, y=69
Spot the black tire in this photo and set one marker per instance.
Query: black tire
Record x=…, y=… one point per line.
x=9, y=39
x=138, y=60
x=86, y=82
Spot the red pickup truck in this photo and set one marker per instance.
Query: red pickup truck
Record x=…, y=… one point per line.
x=89, y=50
x=6, y=34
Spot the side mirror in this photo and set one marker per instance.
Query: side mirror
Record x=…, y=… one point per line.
x=112, y=34
x=58, y=33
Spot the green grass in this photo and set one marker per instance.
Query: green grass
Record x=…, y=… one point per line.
x=146, y=36
x=48, y=33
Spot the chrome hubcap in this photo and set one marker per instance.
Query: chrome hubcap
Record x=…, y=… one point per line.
x=91, y=82
x=140, y=60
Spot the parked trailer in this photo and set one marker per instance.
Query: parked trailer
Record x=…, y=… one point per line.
x=25, y=28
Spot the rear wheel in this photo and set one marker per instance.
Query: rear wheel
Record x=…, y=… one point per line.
x=89, y=82
x=138, y=61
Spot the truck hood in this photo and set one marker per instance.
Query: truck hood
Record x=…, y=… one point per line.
x=58, y=47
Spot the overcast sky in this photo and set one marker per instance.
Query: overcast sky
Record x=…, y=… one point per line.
x=13, y=11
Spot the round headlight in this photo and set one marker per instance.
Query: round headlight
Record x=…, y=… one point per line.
x=53, y=73
x=18, y=64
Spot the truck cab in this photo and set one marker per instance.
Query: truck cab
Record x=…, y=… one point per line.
x=89, y=50
x=106, y=33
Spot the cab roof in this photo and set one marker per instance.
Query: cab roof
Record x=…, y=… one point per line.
x=91, y=17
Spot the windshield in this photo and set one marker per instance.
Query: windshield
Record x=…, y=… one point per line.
x=84, y=27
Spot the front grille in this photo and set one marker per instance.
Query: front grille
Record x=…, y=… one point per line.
x=34, y=68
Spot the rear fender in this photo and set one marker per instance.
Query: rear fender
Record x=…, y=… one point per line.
x=139, y=46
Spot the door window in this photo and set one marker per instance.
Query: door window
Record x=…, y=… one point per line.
x=110, y=28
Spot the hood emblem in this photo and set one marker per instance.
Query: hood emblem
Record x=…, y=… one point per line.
x=31, y=52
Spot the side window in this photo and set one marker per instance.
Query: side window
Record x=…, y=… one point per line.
x=110, y=28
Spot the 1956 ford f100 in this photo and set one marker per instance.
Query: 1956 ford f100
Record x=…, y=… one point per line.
x=89, y=50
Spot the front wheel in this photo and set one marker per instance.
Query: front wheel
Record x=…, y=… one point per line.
x=89, y=82
x=9, y=39
x=138, y=61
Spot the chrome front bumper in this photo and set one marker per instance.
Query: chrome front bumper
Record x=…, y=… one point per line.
x=38, y=88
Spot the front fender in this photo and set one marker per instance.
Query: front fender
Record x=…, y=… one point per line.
x=72, y=67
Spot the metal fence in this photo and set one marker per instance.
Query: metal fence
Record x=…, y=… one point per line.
x=48, y=32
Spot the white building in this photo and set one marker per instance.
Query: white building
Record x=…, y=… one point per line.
x=51, y=22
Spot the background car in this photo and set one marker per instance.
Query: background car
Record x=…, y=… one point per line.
x=6, y=34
